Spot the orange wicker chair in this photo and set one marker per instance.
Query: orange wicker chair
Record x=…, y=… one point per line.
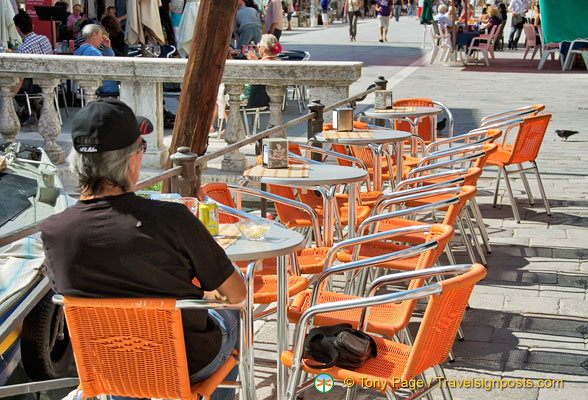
x=525, y=148
x=386, y=319
x=396, y=362
x=505, y=116
x=424, y=125
x=135, y=348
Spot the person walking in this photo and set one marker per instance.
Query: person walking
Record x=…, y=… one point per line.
x=518, y=9
x=274, y=18
x=397, y=9
x=383, y=9
x=325, y=13
x=352, y=9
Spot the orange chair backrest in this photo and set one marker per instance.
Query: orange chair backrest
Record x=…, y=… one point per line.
x=424, y=126
x=467, y=192
x=539, y=107
x=488, y=149
x=529, y=138
x=129, y=347
x=219, y=192
x=442, y=234
x=341, y=149
x=440, y=322
x=290, y=216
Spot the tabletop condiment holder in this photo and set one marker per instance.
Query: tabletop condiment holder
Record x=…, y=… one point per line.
x=275, y=153
x=343, y=119
x=383, y=100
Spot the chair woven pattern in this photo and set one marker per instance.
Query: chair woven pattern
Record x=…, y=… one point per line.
x=220, y=192
x=122, y=346
x=440, y=322
x=385, y=319
x=529, y=139
x=424, y=126
x=290, y=216
x=265, y=287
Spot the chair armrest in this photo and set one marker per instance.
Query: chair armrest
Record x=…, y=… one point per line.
x=449, y=116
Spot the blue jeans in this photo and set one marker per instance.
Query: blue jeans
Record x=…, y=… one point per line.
x=397, y=10
x=228, y=321
x=249, y=33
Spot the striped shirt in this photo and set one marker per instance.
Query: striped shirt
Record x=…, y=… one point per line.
x=35, y=44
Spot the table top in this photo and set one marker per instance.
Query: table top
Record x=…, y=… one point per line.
x=278, y=241
x=381, y=136
x=412, y=112
x=320, y=175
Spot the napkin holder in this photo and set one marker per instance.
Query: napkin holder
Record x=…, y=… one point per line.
x=343, y=119
x=383, y=100
x=275, y=153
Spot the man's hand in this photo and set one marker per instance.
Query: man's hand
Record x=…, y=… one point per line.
x=106, y=42
x=214, y=296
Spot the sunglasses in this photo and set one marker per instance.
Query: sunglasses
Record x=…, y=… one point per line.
x=143, y=146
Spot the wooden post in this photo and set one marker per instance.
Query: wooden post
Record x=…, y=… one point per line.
x=206, y=63
x=189, y=179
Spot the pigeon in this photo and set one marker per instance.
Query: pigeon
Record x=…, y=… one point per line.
x=441, y=124
x=564, y=133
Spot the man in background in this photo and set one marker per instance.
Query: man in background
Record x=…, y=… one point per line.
x=274, y=18
x=247, y=27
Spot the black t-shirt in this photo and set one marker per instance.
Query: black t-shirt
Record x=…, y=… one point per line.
x=128, y=246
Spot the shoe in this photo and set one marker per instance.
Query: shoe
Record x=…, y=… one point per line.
x=381, y=40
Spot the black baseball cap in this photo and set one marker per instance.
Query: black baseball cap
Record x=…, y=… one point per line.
x=110, y=121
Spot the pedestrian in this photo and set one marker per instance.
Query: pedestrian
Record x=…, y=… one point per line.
x=518, y=9
x=325, y=13
x=115, y=244
x=352, y=9
x=383, y=8
x=247, y=27
x=397, y=9
x=274, y=18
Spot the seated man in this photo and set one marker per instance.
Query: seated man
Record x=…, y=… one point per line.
x=442, y=18
x=93, y=38
x=31, y=44
x=114, y=244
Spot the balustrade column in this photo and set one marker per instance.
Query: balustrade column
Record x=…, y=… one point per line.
x=89, y=89
x=276, y=95
x=146, y=99
x=49, y=124
x=329, y=95
x=9, y=122
x=235, y=131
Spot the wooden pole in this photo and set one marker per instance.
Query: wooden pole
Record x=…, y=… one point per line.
x=206, y=63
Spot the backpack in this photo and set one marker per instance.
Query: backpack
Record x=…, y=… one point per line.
x=338, y=345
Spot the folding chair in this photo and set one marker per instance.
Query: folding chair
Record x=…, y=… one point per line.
x=136, y=348
x=397, y=362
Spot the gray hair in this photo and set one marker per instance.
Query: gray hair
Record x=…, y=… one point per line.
x=95, y=170
x=442, y=9
x=90, y=29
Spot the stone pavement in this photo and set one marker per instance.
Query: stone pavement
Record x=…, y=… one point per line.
x=529, y=317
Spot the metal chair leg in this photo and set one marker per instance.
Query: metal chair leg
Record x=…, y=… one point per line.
x=56, y=101
x=527, y=187
x=465, y=239
x=480, y=222
x=513, y=201
x=474, y=236
x=541, y=188
x=450, y=255
x=444, y=389
x=497, y=187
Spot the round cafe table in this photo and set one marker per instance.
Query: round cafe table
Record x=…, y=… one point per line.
x=279, y=242
x=412, y=115
x=325, y=179
x=381, y=138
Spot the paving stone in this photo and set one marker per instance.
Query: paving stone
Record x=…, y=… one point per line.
x=573, y=307
x=531, y=304
x=539, y=234
x=487, y=301
x=550, y=340
x=477, y=333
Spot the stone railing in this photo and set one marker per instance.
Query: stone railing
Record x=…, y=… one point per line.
x=141, y=88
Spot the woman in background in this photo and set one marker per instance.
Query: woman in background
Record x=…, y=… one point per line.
x=116, y=36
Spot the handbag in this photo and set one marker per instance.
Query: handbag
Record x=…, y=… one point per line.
x=517, y=20
x=338, y=345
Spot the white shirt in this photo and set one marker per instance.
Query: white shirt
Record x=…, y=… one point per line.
x=519, y=6
x=443, y=20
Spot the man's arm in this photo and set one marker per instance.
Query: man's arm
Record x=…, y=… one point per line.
x=17, y=87
x=233, y=288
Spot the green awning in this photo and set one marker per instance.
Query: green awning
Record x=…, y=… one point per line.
x=564, y=20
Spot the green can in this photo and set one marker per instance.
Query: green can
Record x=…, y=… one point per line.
x=208, y=214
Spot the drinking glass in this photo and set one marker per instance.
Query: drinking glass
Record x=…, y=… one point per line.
x=156, y=50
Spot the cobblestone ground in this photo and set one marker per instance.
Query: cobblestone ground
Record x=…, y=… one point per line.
x=529, y=317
